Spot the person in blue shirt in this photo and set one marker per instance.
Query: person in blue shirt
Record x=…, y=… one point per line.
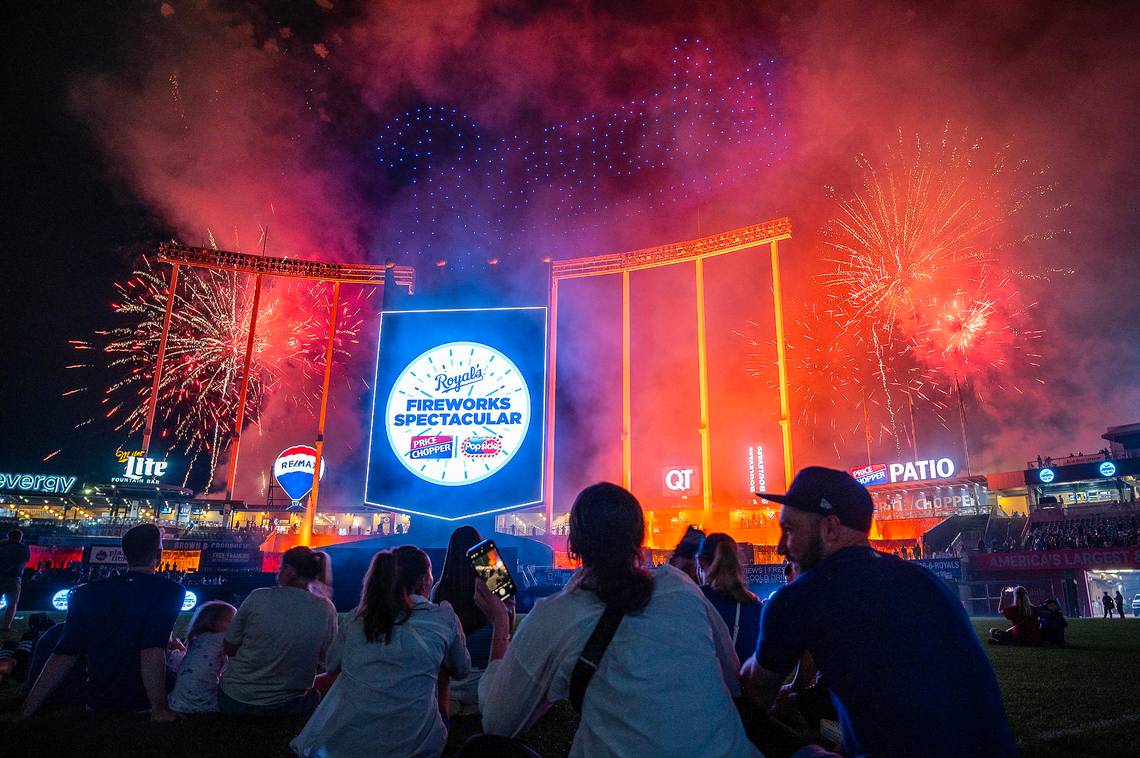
x=121, y=626
x=891, y=641
x=718, y=566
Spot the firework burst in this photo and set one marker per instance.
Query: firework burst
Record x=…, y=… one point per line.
x=823, y=369
x=917, y=250
x=205, y=354
x=928, y=208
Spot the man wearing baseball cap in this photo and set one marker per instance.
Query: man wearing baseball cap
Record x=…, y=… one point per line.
x=893, y=645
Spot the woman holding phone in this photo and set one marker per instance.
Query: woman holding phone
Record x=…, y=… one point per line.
x=457, y=587
x=1026, y=629
x=388, y=655
x=665, y=681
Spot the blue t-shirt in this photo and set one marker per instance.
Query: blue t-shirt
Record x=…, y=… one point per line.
x=897, y=651
x=749, y=620
x=110, y=622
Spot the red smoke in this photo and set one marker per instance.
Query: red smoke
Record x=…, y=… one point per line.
x=227, y=123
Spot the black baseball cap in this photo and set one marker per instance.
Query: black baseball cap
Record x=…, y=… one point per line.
x=828, y=492
x=710, y=543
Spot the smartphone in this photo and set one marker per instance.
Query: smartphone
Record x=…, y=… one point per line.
x=491, y=569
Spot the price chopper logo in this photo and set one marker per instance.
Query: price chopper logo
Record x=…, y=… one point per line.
x=432, y=447
x=909, y=471
x=457, y=413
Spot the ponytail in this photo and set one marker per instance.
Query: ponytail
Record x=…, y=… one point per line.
x=726, y=575
x=385, y=599
x=606, y=532
x=312, y=566
x=383, y=603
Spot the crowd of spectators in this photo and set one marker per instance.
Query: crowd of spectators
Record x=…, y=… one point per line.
x=1095, y=531
x=630, y=646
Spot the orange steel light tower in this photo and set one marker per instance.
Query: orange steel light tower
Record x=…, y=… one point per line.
x=768, y=233
x=260, y=266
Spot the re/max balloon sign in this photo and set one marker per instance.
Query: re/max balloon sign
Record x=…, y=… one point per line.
x=294, y=468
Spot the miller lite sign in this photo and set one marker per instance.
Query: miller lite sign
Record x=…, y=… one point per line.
x=680, y=481
x=293, y=470
x=138, y=468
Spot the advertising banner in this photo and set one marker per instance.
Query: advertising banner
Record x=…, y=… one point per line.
x=230, y=556
x=764, y=573
x=1049, y=560
x=947, y=569
x=57, y=556
x=1080, y=472
x=458, y=415
x=106, y=555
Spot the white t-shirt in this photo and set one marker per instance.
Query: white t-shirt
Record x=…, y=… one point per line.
x=664, y=686
x=196, y=690
x=282, y=634
x=384, y=701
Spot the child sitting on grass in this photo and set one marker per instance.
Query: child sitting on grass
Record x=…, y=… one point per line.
x=196, y=690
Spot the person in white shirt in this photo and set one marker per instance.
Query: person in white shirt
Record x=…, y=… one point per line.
x=665, y=684
x=388, y=656
x=196, y=690
x=279, y=638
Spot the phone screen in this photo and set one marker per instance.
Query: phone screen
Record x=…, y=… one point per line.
x=491, y=569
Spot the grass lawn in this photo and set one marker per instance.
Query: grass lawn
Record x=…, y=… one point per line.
x=1083, y=700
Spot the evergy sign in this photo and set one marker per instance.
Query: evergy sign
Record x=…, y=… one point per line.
x=54, y=483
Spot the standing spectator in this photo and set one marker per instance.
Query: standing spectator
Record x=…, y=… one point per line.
x=14, y=555
x=1107, y=603
x=1026, y=629
x=196, y=690
x=121, y=626
x=662, y=686
x=279, y=638
x=719, y=563
x=852, y=605
x=1119, y=603
x=388, y=656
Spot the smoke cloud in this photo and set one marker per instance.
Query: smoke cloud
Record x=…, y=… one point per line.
x=228, y=121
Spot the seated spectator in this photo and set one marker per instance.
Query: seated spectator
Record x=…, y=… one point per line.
x=719, y=565
x=1053, y=623
x=278, y=639
x=1026, y=629
x=16, y=655
x=852, y=606
x=196, y=690
x=664, y=683
x=685, y=554
x=388, y=656
x=121, y=626
x=456, y=587
x=71, y=692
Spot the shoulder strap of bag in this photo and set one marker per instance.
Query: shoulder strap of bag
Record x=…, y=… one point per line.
x=736, y=624
x=592, y=654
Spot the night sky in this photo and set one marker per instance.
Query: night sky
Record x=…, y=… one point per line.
x=132, y=123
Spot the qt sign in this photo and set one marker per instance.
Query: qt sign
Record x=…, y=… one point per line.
x=680, y=481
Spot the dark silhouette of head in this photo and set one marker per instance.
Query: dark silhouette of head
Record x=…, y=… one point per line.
x=607, y=529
